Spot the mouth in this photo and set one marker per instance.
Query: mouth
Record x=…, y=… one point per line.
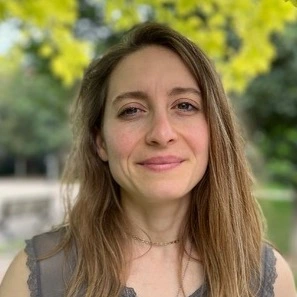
x=161, y=163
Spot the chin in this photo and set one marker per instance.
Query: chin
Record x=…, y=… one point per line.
x=166, y=195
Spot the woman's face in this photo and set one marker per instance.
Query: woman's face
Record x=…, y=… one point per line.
x=155, y=136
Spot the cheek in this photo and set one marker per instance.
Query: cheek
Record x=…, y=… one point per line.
x=119, y=145
x=205, y=141
x=198, y=138
x=119, y=148
x=200, y=148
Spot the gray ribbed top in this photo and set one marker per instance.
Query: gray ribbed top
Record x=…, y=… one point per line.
x=48, y=276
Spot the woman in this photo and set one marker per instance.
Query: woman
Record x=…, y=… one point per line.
x=164, y=205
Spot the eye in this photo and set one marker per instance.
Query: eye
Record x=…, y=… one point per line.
x=130, y=112
x=186, y=106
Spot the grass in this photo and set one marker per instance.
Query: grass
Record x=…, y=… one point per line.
x=278, y=214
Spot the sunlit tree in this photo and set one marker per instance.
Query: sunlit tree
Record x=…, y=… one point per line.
x=235, y=33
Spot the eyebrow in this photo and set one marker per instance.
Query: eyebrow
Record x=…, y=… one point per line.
x=144, y=96
x=132, y=95
x=180, y=91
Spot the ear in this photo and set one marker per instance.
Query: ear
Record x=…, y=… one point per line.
x=101, y=148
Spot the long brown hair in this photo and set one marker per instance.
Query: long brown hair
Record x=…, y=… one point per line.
x=224, y=221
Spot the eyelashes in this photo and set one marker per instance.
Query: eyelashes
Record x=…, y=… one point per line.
x=130, y=112
x=181, y=106
x=186, y=106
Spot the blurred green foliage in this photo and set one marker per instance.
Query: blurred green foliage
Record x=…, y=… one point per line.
x=64, y=30
x=278, y=214
x=270, y=109
x=294, y=2
x=33, y=114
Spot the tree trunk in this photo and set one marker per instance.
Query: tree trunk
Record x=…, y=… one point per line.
x=20, y=167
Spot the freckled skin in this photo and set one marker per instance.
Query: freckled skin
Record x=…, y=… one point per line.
x=161, y=116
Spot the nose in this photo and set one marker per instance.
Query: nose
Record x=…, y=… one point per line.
x=161, y=131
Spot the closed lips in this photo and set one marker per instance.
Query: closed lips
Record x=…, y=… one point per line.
x=162, y=160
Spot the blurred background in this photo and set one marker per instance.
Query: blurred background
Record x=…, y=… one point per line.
x=45, y=47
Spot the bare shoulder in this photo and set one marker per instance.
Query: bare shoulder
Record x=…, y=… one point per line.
x=15, y=279
x=284, y=285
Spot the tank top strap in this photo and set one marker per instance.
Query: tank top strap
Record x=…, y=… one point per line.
x=269, y=273
x=49, y=272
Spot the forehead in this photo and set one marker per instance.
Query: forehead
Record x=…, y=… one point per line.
x=150, y=67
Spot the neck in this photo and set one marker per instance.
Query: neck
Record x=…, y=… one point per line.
x=156, y=222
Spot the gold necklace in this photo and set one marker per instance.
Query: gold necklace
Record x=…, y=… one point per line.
x=164, y=244
x=158, y=243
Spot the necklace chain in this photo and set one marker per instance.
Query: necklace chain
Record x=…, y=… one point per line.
x=148, y=242
x=158, y=243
